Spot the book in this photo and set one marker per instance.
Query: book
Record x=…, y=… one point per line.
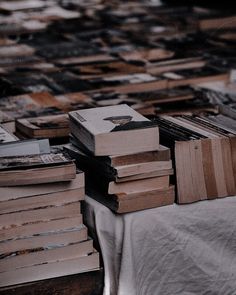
x=161, y=154
x=124, y=203
x=44, y=127
x=96, y=168
x=24, y=148
x=41, y=200
x=64, y=237
x=36, y=215
x=36, y=190
x=50, y=270
x=56, y=253
x=35, y=169
x=43, y=227
x=114, y=130
x=141, y=185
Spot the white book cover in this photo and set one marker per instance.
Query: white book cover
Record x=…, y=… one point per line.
x=110, y=119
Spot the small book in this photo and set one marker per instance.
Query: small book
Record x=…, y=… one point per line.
x=44, y=127
x=114, y=130
x=35, y=169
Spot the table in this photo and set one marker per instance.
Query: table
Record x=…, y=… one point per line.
x=177, y=249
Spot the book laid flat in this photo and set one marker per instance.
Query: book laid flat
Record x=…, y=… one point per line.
x=50, y=270
x=44, y=126
x=28, y=192
x=125, y=203
x=24, y=148
x=114, y=130
x=36, y=169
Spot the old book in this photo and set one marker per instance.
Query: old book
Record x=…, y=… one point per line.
x=124, y=203
x=114, y=130
x=36, y=215
x=35, y=169
x=25, y=148
x=36, y=190
x=50, y=270
x=44, y=127
x=41, y=256
x=141, y=185
x=162, y=154
x=41, y=228
x=40, y=201
x=96, y=167
x=77, y=234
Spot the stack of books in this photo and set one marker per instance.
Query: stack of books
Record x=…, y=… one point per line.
x=126, y=168
x=42, y=234
x=204, y=153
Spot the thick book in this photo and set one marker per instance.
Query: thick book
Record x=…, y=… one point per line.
x=50, y=270
x=124, y=203
x=115, y=130
x=35, y=169
x=161, y=154
x=96, y=168
x=40, y=191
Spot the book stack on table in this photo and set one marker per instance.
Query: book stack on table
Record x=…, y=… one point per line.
x=42, y=234
x=126, y=168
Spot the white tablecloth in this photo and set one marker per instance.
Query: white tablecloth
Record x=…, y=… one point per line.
x=187, y=249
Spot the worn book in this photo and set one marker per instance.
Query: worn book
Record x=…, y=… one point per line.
x=44, y=127
x=35, y=169
x=124, y=203
x=57, y=268
x=115, y=130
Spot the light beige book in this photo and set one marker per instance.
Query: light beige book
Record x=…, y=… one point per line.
x=46, y=256
x=42, y=227
x=134, y=169
x=162, y=154
x=140, y=185
x=124, y=203
x=45, y=168
x=24, y=217
x=74, y=235
x=42, y=201
x=16, y=192
x=50, y=270
x=145, y=175
x=114, y=130
x=44, y=127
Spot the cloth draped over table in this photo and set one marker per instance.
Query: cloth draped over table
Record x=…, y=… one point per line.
x=172, y=250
